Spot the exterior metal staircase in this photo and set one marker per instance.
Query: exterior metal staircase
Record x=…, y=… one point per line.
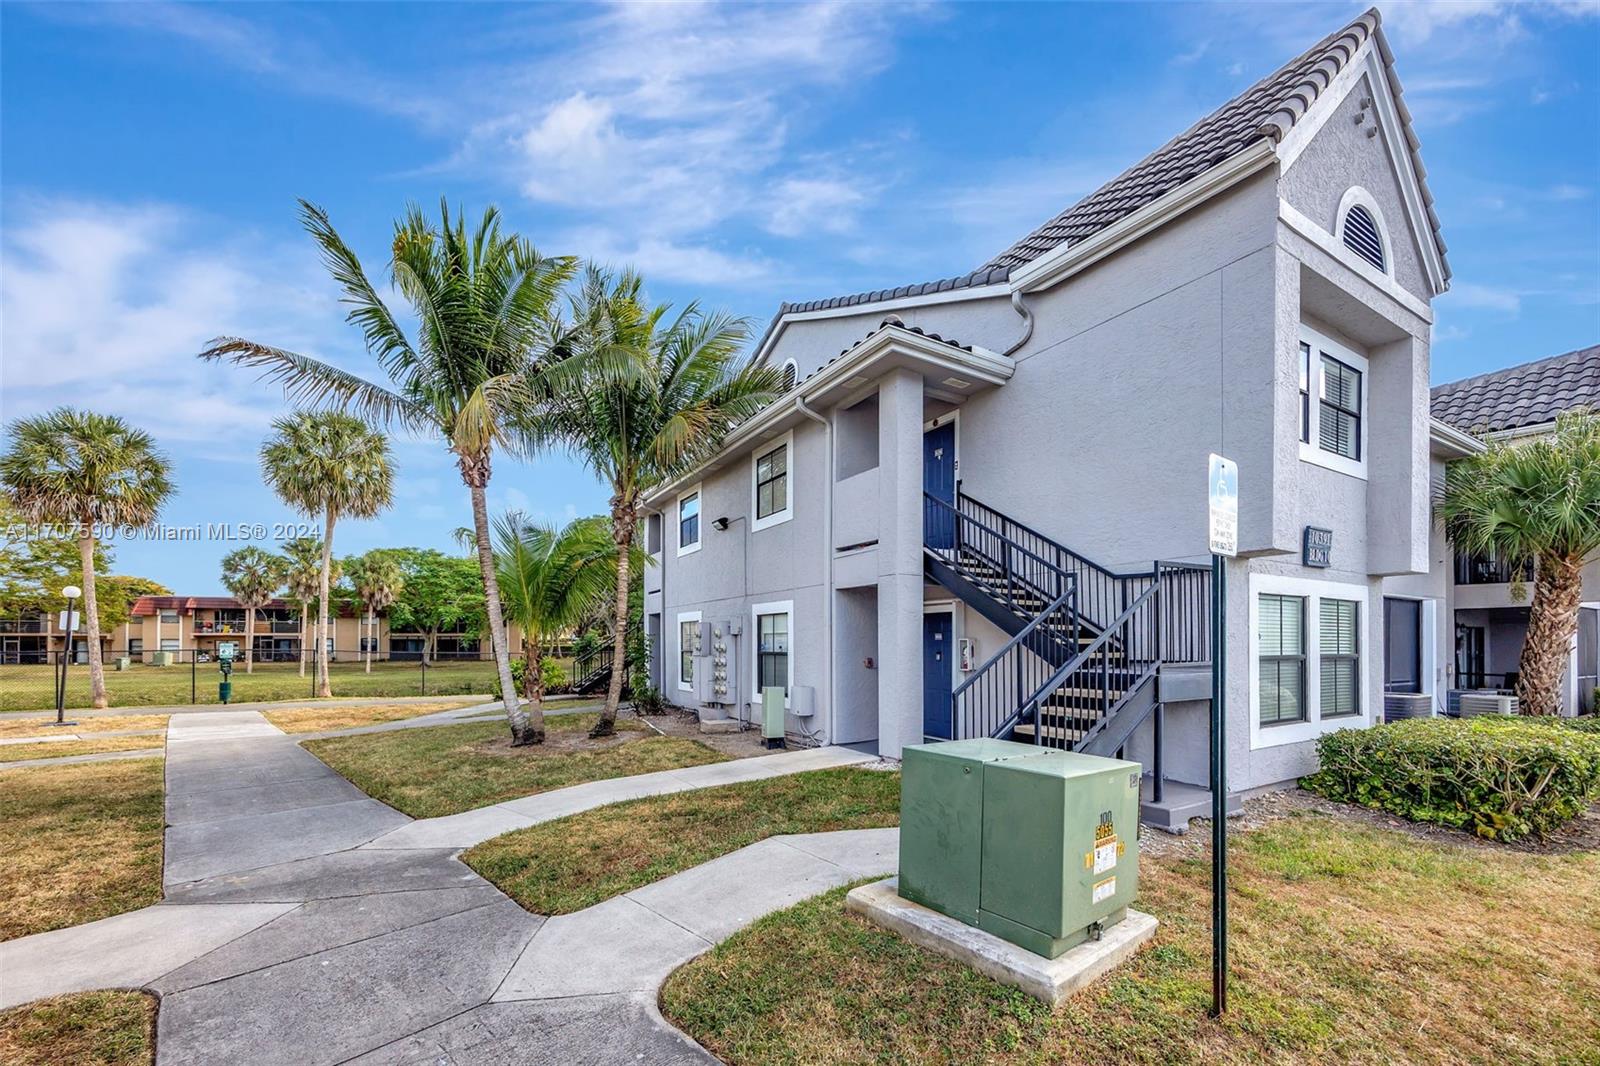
x=592, y=672
x=1086, y=644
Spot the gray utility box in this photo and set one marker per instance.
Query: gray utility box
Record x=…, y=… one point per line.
x=1038, y=847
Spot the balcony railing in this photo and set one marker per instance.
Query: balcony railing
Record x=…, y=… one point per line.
x=23, y=625
x=1491, y=570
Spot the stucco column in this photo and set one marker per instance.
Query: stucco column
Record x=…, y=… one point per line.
x=900, y=562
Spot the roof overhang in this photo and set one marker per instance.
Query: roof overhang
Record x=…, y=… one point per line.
x=782, y=320
x=1448, y=442
x=953, y=373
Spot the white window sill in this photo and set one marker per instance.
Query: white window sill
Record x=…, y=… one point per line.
x=688, y=549
x=1311, y=453
x=776, y=519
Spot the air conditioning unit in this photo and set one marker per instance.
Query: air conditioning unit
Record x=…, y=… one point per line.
x=1398, y=706
x=1474, y=704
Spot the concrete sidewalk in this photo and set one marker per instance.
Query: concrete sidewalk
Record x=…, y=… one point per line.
x=285, y=938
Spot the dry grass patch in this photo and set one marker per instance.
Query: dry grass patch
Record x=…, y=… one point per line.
x=319, y=719
x=448, y=769
x=574, y=862
x=17, y=728
x=83, y=1029
x=1350, y=944
x=80, y=843
x=96, y=746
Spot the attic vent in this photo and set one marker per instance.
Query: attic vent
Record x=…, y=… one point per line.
x=791, y=374
x=1361, y=235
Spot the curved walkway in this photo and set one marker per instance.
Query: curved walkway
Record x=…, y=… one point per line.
x=305, y=922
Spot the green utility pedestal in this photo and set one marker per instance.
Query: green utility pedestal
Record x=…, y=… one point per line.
x=1060, y=848
x=941, y=820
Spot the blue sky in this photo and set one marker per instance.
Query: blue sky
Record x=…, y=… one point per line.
x=739, y=155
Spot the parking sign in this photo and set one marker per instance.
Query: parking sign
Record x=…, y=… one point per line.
x=1224, y=525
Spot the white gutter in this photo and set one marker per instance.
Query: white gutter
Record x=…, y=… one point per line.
x=827, y=547
x=1452, y=439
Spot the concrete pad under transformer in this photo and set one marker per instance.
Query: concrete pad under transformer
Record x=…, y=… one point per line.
x=1049, y=980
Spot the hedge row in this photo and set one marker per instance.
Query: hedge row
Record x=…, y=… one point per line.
x=1502, y=778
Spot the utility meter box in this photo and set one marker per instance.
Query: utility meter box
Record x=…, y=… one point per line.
x=1060, y=855
x=941, y=820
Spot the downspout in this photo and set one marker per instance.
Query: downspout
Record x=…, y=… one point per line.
x=827, y=546
x=1027, y=321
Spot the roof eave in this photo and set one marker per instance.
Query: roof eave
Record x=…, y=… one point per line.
x=831, y=384
x=1451, y=443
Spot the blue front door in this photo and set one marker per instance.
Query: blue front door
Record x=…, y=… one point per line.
x=937, y=653
x=939, y=480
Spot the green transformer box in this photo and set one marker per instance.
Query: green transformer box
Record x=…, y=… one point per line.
x=1038, y=847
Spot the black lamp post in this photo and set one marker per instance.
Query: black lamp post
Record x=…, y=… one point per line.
x=69, y=624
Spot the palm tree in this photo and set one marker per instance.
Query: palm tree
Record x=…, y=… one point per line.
x=482, y=303
x=661, y=394
x=302, y=577
x=551, y=578
x=87, y=472
x=253, y=577
x=1537, y=500
x=329, y=465
x=377, y=578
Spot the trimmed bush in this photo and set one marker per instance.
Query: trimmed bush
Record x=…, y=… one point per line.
x=1502, y=778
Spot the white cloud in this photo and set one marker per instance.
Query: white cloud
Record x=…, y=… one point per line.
x=106, y=306
x=812, y=205
x=668, y=259
x=1485, y=297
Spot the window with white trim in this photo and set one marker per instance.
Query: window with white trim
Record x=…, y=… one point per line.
x=773, y=663
x=1340, y=655
x=1360, y=228
x=688, y=646
x=791, y=374
x=689, y=521
x=1281, y=665
x=1333, y=404
x=169, y=618
x=770, y=492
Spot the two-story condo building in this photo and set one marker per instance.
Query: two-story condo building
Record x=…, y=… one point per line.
x=981, y=507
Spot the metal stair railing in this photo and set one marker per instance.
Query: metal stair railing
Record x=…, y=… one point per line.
x=1000, y=692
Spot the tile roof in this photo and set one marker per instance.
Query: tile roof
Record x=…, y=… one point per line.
x=148, y=605
x=1527, y=395
x=1268, y=109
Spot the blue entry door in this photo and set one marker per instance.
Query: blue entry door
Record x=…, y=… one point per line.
x=939, y=480
x=937, y=656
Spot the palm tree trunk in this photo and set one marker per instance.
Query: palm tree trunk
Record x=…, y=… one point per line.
x=372, y=632
x=623, y=517
x=250, y=640
x=91, y=621
x=1552, y=621
x=305, y=609
x=324, y=690
x=536, y=685
x=522, y=730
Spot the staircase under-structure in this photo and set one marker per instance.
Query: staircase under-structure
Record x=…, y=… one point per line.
x=1087, y=644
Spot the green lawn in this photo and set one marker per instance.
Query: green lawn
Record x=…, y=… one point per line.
x=574, y=862
x=29, y=688
x=1349, y=945
x=80, y=843
x=447, y=769
x=116, y=1028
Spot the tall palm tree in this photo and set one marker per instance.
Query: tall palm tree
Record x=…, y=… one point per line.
x=330, y=465
x=662, y=393
x=302, y=578
x=550, y=578
x=1539, y=500
x=86, y=472
x=482, y=302
x=377, y=578
x=253, y=577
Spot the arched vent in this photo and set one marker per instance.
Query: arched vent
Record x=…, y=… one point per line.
x=1361, y=235
x=791, y=374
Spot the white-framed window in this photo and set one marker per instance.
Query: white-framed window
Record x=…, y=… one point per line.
x=771, y=483
x=169, y=644
x=1333, y=404
x=688, y=648
x=688, y=512
x=1308, y=661
x=772, y=630
x=169, y=618
x=1361, y=229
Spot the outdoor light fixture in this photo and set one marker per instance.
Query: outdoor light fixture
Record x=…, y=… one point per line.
x=721, y=524
x=68, y=626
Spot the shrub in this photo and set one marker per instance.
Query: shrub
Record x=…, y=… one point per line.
x=551, y=672
x=1502, y=778
x=650, y=701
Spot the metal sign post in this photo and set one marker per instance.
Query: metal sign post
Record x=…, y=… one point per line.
x=1223, y=483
